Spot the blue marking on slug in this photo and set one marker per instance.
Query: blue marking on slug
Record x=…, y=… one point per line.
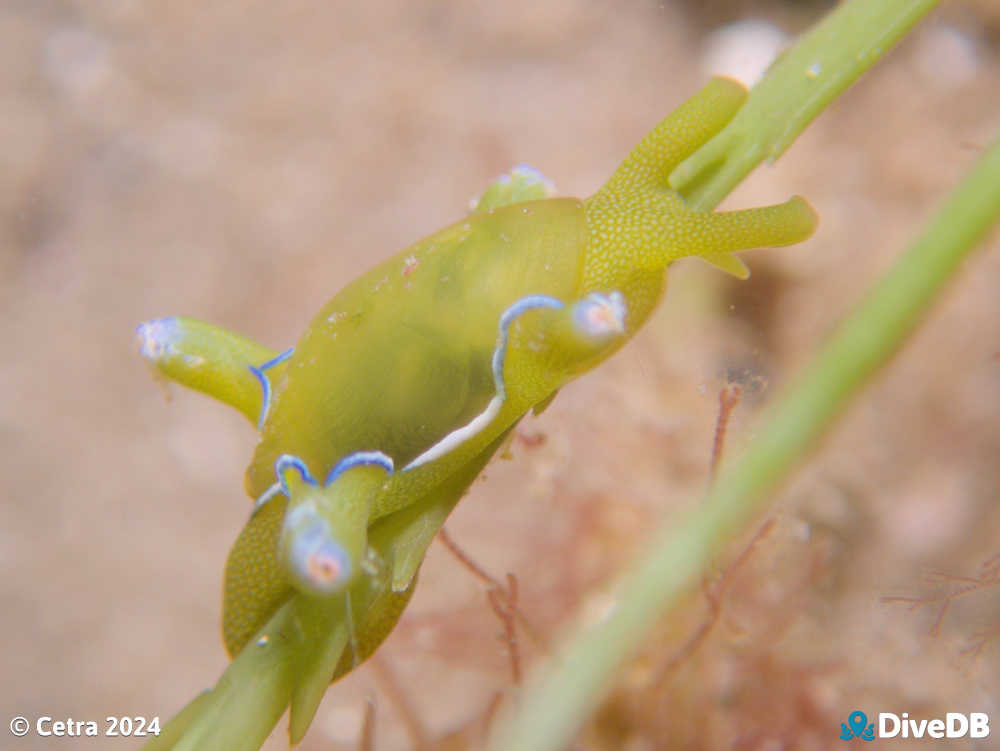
x=357, y=459
x=506, y=319
x=528, y=172
x=289, y=461
x=265, y=383
x=156, y=337
x=277, y=359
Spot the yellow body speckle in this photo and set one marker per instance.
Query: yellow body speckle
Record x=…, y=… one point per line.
x=637, y=225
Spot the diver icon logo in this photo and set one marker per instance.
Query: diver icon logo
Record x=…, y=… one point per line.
x=857, y=727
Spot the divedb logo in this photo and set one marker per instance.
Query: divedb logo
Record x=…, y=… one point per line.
x=889, y=725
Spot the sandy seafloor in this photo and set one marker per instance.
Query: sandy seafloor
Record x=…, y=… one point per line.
x=239, y=162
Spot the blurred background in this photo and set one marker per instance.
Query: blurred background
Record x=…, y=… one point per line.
x=240, y=162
